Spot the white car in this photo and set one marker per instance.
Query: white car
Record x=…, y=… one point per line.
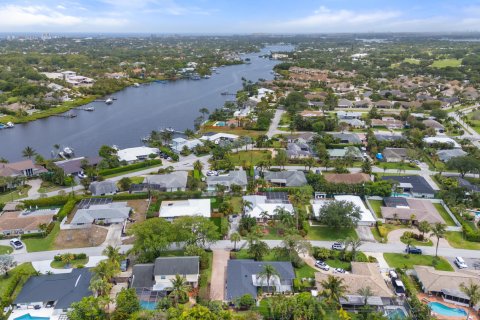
x=322, y=265
x=338, y=246
x=82, y=175
x=16, y=243
x=460, y=263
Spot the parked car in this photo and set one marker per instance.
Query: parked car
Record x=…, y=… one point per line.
x=413, y=250
x=338, y=246
x=339, y=270
x=460, y=263
x=16, y=243
x=124, y=265
x=82, y=175
x=322, y=265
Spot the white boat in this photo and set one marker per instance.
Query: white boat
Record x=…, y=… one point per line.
x=109, y=101
x=170, y=129
x=115, y=147
x=89, y=109
x=206, y=76
x=10, y=125
x=68, y=152
x=136, y=85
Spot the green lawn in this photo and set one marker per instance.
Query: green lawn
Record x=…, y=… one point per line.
x=428, y=243
x=25, y=268
x=411, y=61
x=397, y=166
x=448, y=219
x=5, y=249
x=456, y=240
x=48, y=187
x=446, y=63
x=400, y=260
x=19, y=193
x=237, y=204
x=73, y=264
x=137, y=180
x=337, y=263
x=251, y=156
x=376, y=204
x=327, y=233
x=42, y=244
x=305, y=272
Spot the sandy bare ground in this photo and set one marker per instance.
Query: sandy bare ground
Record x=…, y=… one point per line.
x=81, y=238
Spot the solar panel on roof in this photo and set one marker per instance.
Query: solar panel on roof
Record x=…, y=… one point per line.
x=86, y=203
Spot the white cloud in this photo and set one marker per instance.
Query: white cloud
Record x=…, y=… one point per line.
x=20, y=17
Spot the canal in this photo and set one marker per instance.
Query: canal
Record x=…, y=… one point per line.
x=135, y=113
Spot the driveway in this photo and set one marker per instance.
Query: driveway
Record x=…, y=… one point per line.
x=35, y=186
x=365, y=234
x=274, y=125
x=219, y=270
x=395, y=235
x=114, y=236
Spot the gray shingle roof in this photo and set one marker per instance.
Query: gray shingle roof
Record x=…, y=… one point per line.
x=419, y=184
x=445, y=155
x=75, y=165
x=176, y=179
x=233, y=177
x=142, y=276
x=346, y=137
x=176, y=265
x=65, y=288
x=239, y=275
x=98, y=188
x=289, y=178
x=111, y=211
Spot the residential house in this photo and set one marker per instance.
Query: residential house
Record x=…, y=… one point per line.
x=131, y=155
x=290, y=178
x=362, y=103
x=362, y=275
x=470, y=187
x=170, y=182
x=103, y=188
x=347, y=178
x=445, y=155
x=14, y=222
x=354, y=152
x=179, y=144
x=416, y=186
x=244, y=277
x=383, y=104
x=366, y=216
x=409, y=210
x=74, y=166
x=344, y=115
x=441, y=140
x=180, y=208
x=219, y=137
x=25, y=168
x=344, y=103
x=437, y=126
x=388, y=122
x=388, y=136
x=238, y=177
x=446, y=284
x=299, y=150
x=108, y=213
x=269, y=204
x=311, y=114
x=354, y=123
x=49, y=296
x=395, y=154
x=347, y=138
x=157, y=277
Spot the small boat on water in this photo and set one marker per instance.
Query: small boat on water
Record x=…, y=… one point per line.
x=8, y=125
x=206, y=76
x=66, y=153
x=109, y=101
x=89, y=109
x=136, y=85
x=195, y=76
x=115, y=147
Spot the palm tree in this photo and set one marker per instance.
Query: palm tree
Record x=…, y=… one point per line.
x=438, y=231
x=198, y=165
x=246, y=205
x=424, y=227
x=179, y=288
x=264, y=215
x=67, y=258
x=28, y=152
x=235, y=237
x=43, y=228
x=365, y=292
x=189, y=133
x=267, y=273
x=333, y=289
x=355, y=244
x=113, y=254
x=472, y=290
x=100, y=286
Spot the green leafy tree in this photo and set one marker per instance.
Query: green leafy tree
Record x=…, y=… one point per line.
x=340, y=214
x=424, y=227
x=258, y=249
x=90, y=308
x=245, y=302
x=126, y=303
x=125, y=183
x=196, y=230
x=152, y=237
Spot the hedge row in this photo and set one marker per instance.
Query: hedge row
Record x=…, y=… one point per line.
x=39, y=234
x=139, y=165
x=67, y=209
x=469, y=232
x=47, y=202
x=76, y=256
x=7, y=293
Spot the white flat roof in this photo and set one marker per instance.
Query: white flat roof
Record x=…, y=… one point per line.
x=181, y=208
x=219, y=136
x=132, y=154
x=442, y=139
x=366, y=215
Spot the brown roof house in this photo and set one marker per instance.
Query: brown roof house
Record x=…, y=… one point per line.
x=21, y=168
x=363, y=275
x=439, y=128
x=406, y=209
x=347, y=178
x=28, y=221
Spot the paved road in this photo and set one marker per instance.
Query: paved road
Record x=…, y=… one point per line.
x=273, y=129
x=227, y=244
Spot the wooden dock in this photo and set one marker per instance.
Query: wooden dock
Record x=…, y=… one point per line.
x=68, y=115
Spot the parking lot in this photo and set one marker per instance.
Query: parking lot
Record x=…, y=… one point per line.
x=473, y=264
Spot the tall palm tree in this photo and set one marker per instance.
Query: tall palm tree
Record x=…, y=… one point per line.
x=100, y=286
x=333, y=289
x=113, y=254
x=472, y=290
x=180, y=288
x=268, y=271
x=198, y=165
x=365, y=292
x=355, y=244
x=246, y=205
x=28, y=152
x=438, y=230
x=264, y=215
x=235, y=237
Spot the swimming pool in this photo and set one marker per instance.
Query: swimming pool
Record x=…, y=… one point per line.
x=444, y=310
x=29, y=317
x=220, y=124
x=395, y=314
x=148, y=305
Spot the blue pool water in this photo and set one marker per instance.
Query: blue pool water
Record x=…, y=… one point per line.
x=147, y=305
x=396, y=314
x=220, y=124
x=444, y=310
x=29, y=317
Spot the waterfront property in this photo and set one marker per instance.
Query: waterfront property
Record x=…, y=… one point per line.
x=179, y=144
x=131, y=155
x=180, y=208
x=74, y=166
x=235, y=177
x=24, y=168
x=217, y=138
x=244, y=277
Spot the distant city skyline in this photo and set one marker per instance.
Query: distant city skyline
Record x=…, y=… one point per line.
x=248, y=16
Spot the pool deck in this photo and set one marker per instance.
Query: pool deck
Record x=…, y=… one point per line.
x=473, y=314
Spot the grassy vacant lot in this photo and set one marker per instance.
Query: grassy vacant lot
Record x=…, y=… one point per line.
x=441, y=210
x=5, y=249
x=456, y=240
x=25, y=268
x=376, y=204
x=73, y=264
x=43, y=244
x=19, y=193
x=252, y=156
x=446, y=63
x=411, y=61
x=397, y=166
x=400, y=260
x=329, y=234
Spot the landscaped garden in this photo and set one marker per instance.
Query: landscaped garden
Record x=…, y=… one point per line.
x=69, y=260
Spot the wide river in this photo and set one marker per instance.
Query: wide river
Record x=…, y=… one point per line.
x=135, y=113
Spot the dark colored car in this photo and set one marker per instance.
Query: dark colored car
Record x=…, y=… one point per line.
x=124, y=265
x=413, y=250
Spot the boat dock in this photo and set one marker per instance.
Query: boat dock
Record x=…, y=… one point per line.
x=86, y=108
x=228, y=94
x=68, y=115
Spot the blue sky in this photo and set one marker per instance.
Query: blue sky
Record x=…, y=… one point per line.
x=238, y=16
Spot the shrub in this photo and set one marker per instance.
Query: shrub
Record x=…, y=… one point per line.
x=47, y=202
x=139, y=165
x=323, y=253
x=32, y=235
x=246, y=301
x=382, y=231
x=67, y=209
x=305, y=227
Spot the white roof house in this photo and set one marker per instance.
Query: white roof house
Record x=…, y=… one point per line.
x=219, y=136
x=181, y=208
x=366, y=218
x=262, y=93
x=135, y=154
x=441, y=139
x=179, y=143
x=261, y=204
